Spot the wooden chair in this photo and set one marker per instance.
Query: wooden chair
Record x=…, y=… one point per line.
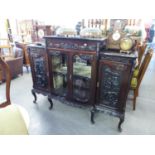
x=26, y=61
x=136, y=81
x=95, y=23
x=134, y=22
x=13, y=119
x=5, y=44
x=141, y=51
x=15, y=63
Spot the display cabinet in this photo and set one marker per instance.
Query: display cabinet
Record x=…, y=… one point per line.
x=82, y=72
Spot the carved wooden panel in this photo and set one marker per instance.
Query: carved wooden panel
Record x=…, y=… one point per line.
x=39, y=67
x=72, y=45
x=112, y=80
x=110, y=86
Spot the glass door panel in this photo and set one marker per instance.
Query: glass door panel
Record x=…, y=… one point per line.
x=82, y=77
x=59, y=70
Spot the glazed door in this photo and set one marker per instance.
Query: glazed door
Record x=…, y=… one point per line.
x=39, y=68
x=114, y=80
x=83, y=77
x=59, y=72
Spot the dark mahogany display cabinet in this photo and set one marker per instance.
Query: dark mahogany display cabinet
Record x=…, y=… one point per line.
x=82, y=73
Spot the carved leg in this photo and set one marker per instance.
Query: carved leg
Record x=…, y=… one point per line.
x=51, y=103
x=119, y=124
x=35, y=96
x=92, y=115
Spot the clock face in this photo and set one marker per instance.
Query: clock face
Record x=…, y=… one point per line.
x=114, y=40
x=116, y=36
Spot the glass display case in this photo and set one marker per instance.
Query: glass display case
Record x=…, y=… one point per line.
x=72, y=64
x=82, y=72
x=82, y=69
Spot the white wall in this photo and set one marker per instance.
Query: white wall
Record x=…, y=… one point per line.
x=3, y=32
x=66, y=12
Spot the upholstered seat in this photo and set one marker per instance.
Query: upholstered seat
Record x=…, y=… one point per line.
x=12, y=121
x=136, y=72
x=133, y=82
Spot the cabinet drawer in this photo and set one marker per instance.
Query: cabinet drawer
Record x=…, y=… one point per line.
x=74, y=43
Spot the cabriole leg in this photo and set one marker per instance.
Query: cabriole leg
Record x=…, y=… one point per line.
x=51, y=103
x=35, y=96
x=119, y=124
x=92, y=115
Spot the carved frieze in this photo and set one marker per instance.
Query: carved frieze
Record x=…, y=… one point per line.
x=71, y=45
x=76, y=44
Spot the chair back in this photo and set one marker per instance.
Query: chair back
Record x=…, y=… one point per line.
x=141, y=51
x=95, y=23
x=6, y=70
x=5, y=44
x=134, y=22
x=25, y=53
x=144, y=65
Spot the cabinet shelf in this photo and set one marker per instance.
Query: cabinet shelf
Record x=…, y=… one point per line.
x=81, y=69
x=62, y=70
